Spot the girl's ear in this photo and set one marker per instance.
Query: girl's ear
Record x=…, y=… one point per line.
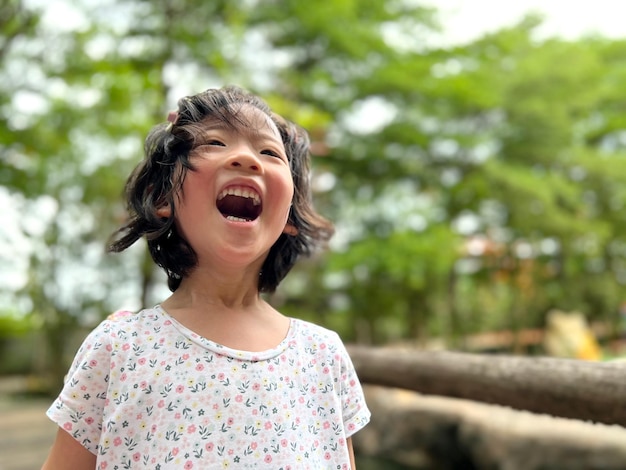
x=164, y=210
x=290, y=230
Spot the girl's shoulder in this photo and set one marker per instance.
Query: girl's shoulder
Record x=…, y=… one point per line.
x=315, y=332
x=130, y=316
x=126, y=320
x=121, y=315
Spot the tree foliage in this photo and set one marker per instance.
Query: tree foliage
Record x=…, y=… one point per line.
x=473, y=186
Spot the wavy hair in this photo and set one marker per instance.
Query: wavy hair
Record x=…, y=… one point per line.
x=159, y=176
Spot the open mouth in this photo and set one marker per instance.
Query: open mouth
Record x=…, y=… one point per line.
x=239, y=204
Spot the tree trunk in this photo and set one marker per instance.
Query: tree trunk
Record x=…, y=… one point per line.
x=561, y=387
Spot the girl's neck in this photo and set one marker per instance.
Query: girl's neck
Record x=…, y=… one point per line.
x=203, y=289
x=228, y=313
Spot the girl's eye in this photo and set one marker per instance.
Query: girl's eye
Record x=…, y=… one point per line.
x=216, y=142
x=271, y=153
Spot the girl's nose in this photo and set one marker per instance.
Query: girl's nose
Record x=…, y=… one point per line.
x=244, y=159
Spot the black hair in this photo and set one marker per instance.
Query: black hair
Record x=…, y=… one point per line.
x=159, y=176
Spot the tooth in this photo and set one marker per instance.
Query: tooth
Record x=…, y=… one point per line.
x=241, y=192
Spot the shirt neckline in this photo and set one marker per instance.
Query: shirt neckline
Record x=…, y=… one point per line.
x=218, y=348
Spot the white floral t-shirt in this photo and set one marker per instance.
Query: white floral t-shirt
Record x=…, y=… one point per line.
x=146, y=392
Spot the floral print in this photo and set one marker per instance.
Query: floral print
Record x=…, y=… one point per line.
x=146, y=392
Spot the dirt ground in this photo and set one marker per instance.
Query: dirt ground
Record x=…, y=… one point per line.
x=26, y=434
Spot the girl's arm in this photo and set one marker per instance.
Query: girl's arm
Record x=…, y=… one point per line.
x=351, y=451
x=67, y=452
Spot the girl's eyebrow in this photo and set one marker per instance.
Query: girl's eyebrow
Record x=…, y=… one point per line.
x=249, y=131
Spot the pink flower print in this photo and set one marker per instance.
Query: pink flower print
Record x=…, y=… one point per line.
x=136, y=456
x=270, y=367
x=255, y=412
x=191, y=429
x=268, y=425
x=142, y=361
x=253, y=445
x=185, y=356
x=177, y=416
x=67, y=426
x=230, y=421
x=313, y=389
x=351, y=427
x=125, y=347
x=93, y=363
x=199, y=367
x=239, y=398
x=188, y=465
x=268, y=458
x=117, y=441
x=352, y=383
x=123, y=377
x=180, y=389
x=221, y=376
x=143, y=384
x=283, y=442
x=323, y=346
x=83, y=388
x=104, y=465
x=167, y=322
x=301, y=399
x=153, y=428
x=109, y=348
x=326, y=425
x=175, y=451
x=326, y=370
x=327, y=455
x=89, y=420
x=161, y=403
x=256, y=387
x=342, y=441
x=209, y=446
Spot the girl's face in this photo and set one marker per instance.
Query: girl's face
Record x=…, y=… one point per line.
x=235, y=204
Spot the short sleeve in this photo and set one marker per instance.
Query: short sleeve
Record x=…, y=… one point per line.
x=355, y=412
x=79, y=407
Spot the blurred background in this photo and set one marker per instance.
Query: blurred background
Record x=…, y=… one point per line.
x=471, y=154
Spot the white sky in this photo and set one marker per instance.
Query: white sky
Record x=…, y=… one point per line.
x=464, y=20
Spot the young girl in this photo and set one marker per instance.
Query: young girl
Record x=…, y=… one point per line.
x=214, y=377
